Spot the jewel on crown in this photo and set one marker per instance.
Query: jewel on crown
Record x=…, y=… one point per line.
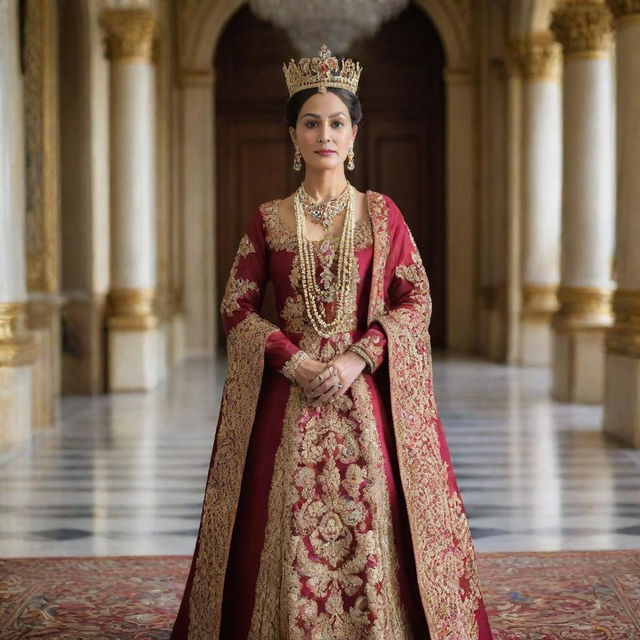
x=322, y=71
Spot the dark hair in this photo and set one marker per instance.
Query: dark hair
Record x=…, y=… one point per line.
x=296, y=101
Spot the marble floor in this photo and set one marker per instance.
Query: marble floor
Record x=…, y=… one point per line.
x=124, y=474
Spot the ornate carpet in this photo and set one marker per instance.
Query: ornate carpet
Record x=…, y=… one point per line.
x=569, y=595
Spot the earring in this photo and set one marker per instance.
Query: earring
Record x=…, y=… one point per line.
x=297, y=156
x=351, y=165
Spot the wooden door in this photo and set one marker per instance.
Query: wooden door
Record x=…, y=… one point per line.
x=399, y=150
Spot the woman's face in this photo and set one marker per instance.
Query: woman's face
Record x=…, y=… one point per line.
x=324, y=123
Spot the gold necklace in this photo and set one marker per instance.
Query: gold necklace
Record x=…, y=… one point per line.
x=324, y=212
x=346, y=263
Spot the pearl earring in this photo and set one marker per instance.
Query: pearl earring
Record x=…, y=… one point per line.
x=351, y=165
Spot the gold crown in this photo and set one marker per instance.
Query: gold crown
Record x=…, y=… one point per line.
x=322, y=72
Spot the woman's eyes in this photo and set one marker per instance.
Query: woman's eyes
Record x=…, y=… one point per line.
x=313, y=122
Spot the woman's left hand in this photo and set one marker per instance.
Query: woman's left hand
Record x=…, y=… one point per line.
x=343, y=369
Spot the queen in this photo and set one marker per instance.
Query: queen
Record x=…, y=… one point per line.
x=331, y=508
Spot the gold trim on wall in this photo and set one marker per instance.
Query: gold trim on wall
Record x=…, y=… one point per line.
x=129, y=34
x=624, y=337
x=583, y=308
x=135, y=309
x=17, y=346
x=582, y=27
x=41, y=145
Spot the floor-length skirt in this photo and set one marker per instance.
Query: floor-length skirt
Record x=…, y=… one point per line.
x=248, y=538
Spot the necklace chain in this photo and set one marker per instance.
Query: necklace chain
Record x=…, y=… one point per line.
x=324, y=212
x=310, y=288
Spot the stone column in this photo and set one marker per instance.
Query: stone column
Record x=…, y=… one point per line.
x=541, y=194
x=17, y=347
x=40, y=84
x=622, y=387
x=583, y=30
x=137, y=349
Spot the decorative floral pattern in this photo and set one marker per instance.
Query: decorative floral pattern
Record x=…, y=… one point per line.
x=237, y=287
x=329, y=522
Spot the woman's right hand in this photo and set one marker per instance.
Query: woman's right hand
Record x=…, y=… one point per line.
x=307, y=371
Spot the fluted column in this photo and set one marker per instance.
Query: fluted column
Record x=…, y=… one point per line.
x=17, y=348
x=539, y=60
x=583, y=30
x=137, y=358
x=622, y=387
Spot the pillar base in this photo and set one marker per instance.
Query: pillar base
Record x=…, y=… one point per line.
x=137, y=358
x=622, y=398
x=46, y=375
x=535, y=342
x=578, y=366
x=15, y=407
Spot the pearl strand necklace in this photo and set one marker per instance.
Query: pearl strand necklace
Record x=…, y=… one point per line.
x=308, y=268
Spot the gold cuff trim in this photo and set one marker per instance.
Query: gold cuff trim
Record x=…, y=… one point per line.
x=17, y=346
x=364, y=355
x=583, y=308
x=135, y=309
x=290, y=366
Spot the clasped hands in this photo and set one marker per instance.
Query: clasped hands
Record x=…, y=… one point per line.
x=324, y=381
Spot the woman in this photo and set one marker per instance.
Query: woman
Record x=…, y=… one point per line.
x=331, y=509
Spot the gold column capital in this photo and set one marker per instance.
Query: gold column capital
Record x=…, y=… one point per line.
x=129, y=34
x=17, y=346
x=582, y=27
x=133, y=309
x=624, y=337
x=537, y=56
x=625, y=10
x=583, y=308
x=539, y=301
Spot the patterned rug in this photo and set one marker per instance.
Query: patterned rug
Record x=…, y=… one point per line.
x=569, y=595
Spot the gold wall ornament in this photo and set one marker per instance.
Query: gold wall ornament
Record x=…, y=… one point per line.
x=538, y=56
x=129, y=34
x=135, y=309
x=17, y=345
x=624, y=337
x=539, y=301
x=583, y=28
x=625, y=11
x=583, y=308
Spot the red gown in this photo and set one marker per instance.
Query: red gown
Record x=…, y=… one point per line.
x=306, y=529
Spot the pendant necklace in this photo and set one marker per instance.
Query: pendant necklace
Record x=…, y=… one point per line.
x=324, y=212
x=311, y=291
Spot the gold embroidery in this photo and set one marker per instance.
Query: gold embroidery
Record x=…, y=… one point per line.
x=245, y=345
x=443, y=548
x=237, y=287
x=280, y=238
x=328, y=563
x=379, y=215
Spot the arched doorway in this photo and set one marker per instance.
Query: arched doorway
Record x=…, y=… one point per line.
x=400, y=149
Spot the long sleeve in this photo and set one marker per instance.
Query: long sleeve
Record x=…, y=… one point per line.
x=408, y=293
x=244, y=294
